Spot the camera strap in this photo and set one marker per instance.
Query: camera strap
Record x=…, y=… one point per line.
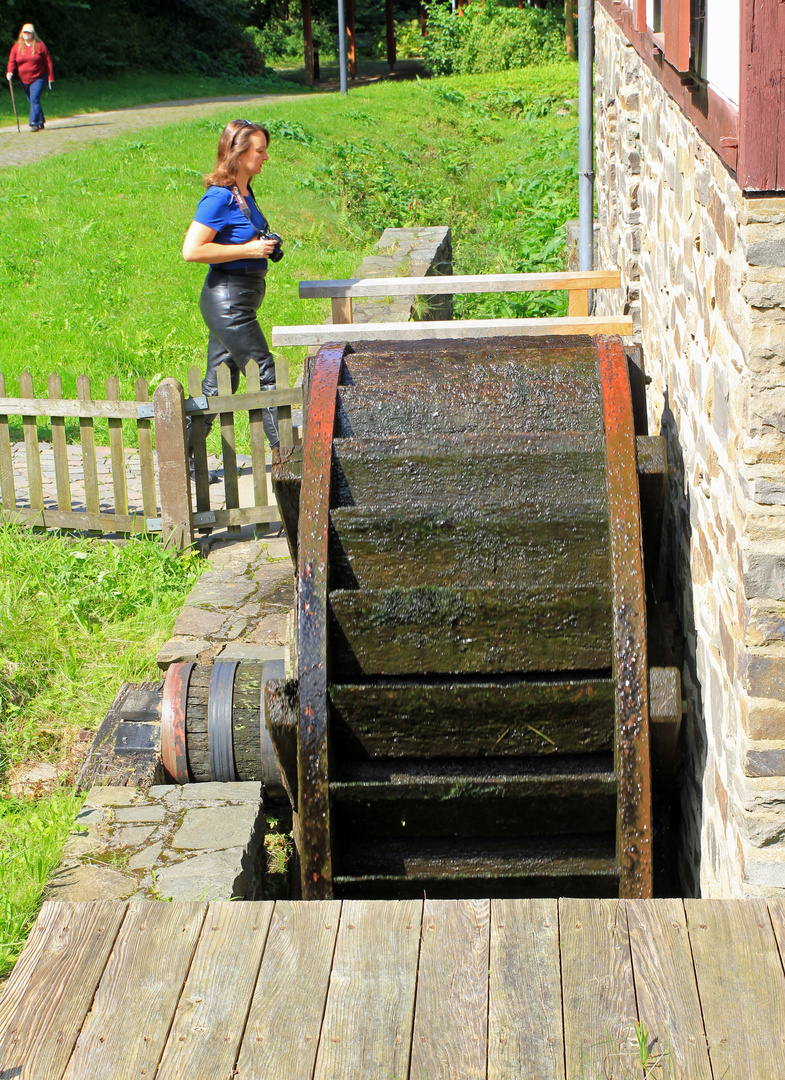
x=244, y=207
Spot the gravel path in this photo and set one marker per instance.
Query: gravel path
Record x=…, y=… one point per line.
x=71, y=132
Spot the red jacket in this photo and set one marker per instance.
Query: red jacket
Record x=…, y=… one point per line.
x=29, y=67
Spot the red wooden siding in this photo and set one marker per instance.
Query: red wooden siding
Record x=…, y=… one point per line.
x=676, y=31
x=762, y=96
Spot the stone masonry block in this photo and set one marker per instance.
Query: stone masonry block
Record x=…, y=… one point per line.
x=766, y=721
x=764, y=574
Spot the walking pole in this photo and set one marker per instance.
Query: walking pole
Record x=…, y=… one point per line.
x=16, y=114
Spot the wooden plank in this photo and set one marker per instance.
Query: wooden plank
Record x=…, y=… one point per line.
x=144, y=429
x=228, y=447
x=59, y=447
x=126, y=1030
x=525, y=1009
x=460, y=283
x=367, y=1029
x=578, y=304
x=27, y=405
x=323, y=334
x=258, y=457
x=282, y=1033
x=210, y=1019
x=32, y=452
x=597, y=988
x=450, y=1028
x=78, y=520
x=761, y=98
x=199, y=447
x=264, y=399
x=246, y=515
x=117, y=450
x=507, y=718
x=59, y=990
x=87, y=439
x=676, y=33
x=7, y=490
x=449, y=630
x=741, y=985
x=284, y=411
x=665, y=988
x=342, y=310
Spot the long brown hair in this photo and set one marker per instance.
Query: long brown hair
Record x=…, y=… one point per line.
x=20, y=41
x=235, y=140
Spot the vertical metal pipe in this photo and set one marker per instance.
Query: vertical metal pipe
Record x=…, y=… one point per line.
x=342, y=45
x=585, y=134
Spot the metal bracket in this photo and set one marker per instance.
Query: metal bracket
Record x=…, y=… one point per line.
x=196, y=404
x=206, y=517
x=145, y=411
x=153, y=524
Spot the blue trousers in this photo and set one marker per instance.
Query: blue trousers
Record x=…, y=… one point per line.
x=33, y=93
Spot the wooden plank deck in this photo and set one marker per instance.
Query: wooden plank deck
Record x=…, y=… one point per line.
x=399, y=990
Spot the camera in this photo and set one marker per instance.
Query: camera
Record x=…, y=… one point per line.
x=277, y=253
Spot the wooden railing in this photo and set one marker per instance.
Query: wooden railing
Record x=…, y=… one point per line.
x=342, y=292
x=162, y=474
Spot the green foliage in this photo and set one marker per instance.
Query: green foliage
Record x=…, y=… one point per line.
x=31, y=839
x=206, y=36
x=491, y=37
x=77, y=619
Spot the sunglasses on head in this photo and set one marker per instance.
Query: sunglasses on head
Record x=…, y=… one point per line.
x=237, y=130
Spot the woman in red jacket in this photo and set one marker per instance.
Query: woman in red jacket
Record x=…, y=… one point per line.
x=31, y=60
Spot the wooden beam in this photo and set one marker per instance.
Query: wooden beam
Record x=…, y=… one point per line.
x=308, y=43
x=453, y=328
x=761, y=161
x=388, y=12
x=676, y=31
x=469, y=283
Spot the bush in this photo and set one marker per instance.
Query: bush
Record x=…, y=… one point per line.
x=488, y=37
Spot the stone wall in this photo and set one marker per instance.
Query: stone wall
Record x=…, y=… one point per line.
x=703, y=273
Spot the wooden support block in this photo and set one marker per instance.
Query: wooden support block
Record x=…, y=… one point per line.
x=620, y=325
x=578, y=304
x=342, y=310
x=460, y=284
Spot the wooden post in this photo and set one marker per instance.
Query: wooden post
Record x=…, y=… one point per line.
x=59, y=446
x=30, y=429
x=388, y=10
x=569, y=30
x=308, y=42
x=228, y=446
x=117, y=451
x=7, y=490
x=423, y=21
x=284, y=411
x=351, y=43
x=173, y=476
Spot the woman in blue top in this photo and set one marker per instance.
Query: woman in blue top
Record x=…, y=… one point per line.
x=225, y=234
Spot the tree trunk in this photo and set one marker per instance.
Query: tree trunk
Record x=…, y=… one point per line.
x=569, y=25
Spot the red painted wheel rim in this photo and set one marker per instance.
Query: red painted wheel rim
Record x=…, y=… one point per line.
x=173, y=723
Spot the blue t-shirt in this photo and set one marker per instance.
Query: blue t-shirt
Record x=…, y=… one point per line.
x=218, y=209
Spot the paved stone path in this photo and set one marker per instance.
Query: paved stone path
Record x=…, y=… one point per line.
x=71, y=132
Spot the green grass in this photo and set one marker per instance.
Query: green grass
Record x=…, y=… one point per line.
x=73, y=96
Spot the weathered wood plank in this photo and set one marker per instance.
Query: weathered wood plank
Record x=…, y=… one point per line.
x=466, y=546
x=342, y=310
x=53, y=991
x=460, y=283
x=144, y=429
x=741, y=986
x=323, y=334
x=578, y=304
x=665, y=989
x=472, y=387
x=287, y=468
x=78, y=520
x=27, y=405
x=117, y=450
x=210, y=1019
x=282, y=1033
x=228, y=446
x=32, y=453
x=246, y=717
x=284, y=411
x=126, y=1030
x=367, y=1029
x=7, y=491
x=444, y=630
x=450, y=1027
x=256, y=428
x=199, y=447
x=59, y=446
x=87, y=439
x=507, y=718
x=597, y=988
x=468, y=804
x=555, y=473
x=525, y=1009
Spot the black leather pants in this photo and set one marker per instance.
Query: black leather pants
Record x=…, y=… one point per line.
x=228, y=303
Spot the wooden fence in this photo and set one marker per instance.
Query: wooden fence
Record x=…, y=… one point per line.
x=159, y=476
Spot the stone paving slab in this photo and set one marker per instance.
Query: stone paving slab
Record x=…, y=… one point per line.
x=201, y=841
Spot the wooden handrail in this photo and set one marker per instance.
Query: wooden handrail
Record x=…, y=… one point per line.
x=478, y=283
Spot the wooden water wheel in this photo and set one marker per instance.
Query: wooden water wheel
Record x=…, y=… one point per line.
x=471, y=704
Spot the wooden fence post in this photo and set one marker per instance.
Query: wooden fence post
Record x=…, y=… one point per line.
x=173, y=474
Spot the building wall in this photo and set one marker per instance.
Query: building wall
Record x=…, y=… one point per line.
x=703, y=272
